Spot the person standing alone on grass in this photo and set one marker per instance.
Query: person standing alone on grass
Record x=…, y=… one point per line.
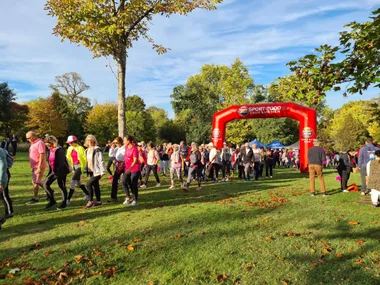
x=95, y=168
x=366, y=154
x=77, y=159
x=3, y=177
x=316, y=156
x=58, y=170
x=37, y=157
x=373, y=177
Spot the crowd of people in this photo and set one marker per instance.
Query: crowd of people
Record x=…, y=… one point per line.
x=130, y=164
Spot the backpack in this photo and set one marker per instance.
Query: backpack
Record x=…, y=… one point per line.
x=10, y=160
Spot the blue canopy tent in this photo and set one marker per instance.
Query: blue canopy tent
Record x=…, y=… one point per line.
x=258, y=144
x=275, y=145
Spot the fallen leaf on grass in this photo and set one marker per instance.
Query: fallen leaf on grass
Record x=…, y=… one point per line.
x=354, y=223
x=322, y=261
x=64, y=251
x=131, y=247
x=222, y=278
x=109, y=273
x=290, y=234
x=203, y=233
x=47, y=252
x=81, y=223
x=137, y=240
x=327, y=250
x=268, y=238
x=30, y=281
x=314, y=265
x=357, y=262
x=312, y=250
x=41, y=222
x=178, y=236
x=10, y=275
x=283, y=282
x=36, y=246
x=359, y=241
x=249, y=266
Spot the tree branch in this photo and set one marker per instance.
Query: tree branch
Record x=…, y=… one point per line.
x=147, y=12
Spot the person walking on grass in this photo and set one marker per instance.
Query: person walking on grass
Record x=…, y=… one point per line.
x=111, y=158
x=119, y=168
x=214, y=163
x=226, y=162
x=37, y=157
x=131, y=172
x=246, y=159
x=373, y=178
x=5, y=194
x=316, y=156
x=95, y=169
x=164, y=159
x=177, y=166
x=346, y=164
x=256, y=160
x=3, y=178
x=366, y=154
x=77, y=159
x=151, y=165
x=194, y=166
x=58, y=170
x=142, y=159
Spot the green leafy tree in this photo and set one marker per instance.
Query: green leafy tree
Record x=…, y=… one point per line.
x=18, y=116
x=101, y=122
x=284, y=130
x=109, y=28
x=171, y=132
x=7, y=96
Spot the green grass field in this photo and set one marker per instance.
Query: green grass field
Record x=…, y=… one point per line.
x=262, y=232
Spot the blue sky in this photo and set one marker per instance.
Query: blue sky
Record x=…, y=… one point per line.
x=265, y=35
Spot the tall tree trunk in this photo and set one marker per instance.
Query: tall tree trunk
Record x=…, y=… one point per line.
x=121, y=65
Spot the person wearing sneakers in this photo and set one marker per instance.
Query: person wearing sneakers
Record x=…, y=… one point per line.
x=37, y=157
x=111, y=159
x=246, y=160
x=194, y=166
x=131, y=172
x=366, y=154
x=177, y=166
x=214, y=165
x=142, y=159
x=4, y=179
x=151, y=165
x=269, y=163
x=373, y=179
x=77, y=159
x=119, y=167
x=316, y=157
x=95, y=168
x=346, y=164
x=58, y=170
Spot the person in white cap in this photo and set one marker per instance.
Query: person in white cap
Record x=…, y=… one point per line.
x=77, y=158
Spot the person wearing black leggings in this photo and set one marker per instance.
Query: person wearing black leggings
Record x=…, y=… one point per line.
x=131, y=172
x=119, y=168
x=269, y=163
x=58, y=170
x=95, y=168
x=151, y=165
x=345, y=167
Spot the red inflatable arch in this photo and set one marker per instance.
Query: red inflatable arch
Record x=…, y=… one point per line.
x=306, y=116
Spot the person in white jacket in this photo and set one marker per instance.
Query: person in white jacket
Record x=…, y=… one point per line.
x=373, y=178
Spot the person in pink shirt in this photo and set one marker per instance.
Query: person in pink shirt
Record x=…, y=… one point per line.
x=131, y=172
x=37, y=157
x=151, y=165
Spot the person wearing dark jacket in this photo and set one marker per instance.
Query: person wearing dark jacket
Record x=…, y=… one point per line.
x=5, y=144
x=366, y=154
x=316, y=157
x=246, y=158
x=58, y=170
x=14, y=142
x=269, y=163
x=195, y=165
x=345, y=166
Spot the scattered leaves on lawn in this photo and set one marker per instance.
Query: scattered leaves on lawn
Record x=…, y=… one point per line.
x=353, y=223
x=249, y=266
x=48, y=252
x=178, y=236
x=131, y=247
x=314, y=265
x=339, y=255
x=268, y=238
x=222, y=277
x=10, y=275
x=284, y=282
x=36, y=246
x=327, y=250
x=290, y=234
x=30, y=281
x=359, y=241
x=41, y=222
x=137, y=240
x=203, y=233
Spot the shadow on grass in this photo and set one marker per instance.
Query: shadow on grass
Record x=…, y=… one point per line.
x=349, y=268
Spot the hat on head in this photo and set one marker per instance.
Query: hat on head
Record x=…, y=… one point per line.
x=71, y=139
x=211, y=144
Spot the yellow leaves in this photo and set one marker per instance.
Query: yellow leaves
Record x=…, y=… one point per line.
x=327, y=250
x=284, y=282
x=81, y=223
x=312, y=250
x=137, y=240
x=131, y=247
x=339, y=255
x=359, y=241
x=178, y=236
x=268, y=238
x=249, y=266
x=314, y=265
x=354, y=223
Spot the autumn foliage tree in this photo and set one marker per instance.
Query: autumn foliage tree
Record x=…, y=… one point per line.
x=109, y=28
x=45, y=118
x=101, y=121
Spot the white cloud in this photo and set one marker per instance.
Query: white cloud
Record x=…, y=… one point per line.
x=260, y=33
